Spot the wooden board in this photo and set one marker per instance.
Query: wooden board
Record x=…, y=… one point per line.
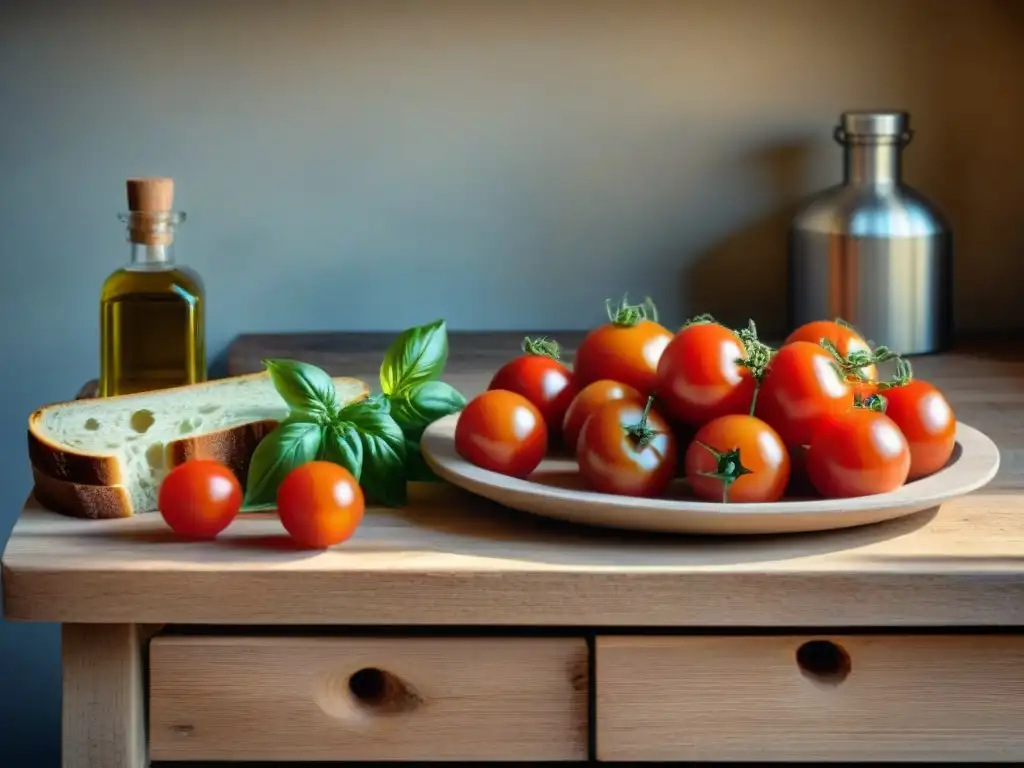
x=449, y=559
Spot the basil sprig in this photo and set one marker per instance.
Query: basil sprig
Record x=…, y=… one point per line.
x=376, y=439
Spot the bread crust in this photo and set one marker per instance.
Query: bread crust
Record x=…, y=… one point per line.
x=93, y=502
x=232, y=447
x=74, y=472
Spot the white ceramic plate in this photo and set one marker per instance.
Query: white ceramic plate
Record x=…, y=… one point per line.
x=556, y=490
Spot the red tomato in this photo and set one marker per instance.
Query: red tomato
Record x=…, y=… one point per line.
x=800, y=389
x=628, y=449
x=540, y=378
x=927, y=421
x=851, y=347
x=200, y=498
x=858, y=453
x=590, y=398
x=625, y=349
x=737, y=458
x=700, y=377
x=320, y=504
x=502, y=431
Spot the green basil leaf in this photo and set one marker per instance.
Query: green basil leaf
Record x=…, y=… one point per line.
x=416, y=467
x=416, y=408
x=417, y=355
x=378, y=403
x=292, y=443
x=341, y=445
x=266, y=507
x=306, y=388
x=383, y=476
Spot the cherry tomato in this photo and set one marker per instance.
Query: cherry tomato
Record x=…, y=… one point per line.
x=927, y=422
x=320, y=504
x=848, y=343
x=801, y=387
x=858, y=453
x=627, y=448
x=502, y=431
x=589, y=399
x=200, y=498
x=845, y=339
x=540, y=378
x=625, y=349
x=737, y=458
x=700, y=377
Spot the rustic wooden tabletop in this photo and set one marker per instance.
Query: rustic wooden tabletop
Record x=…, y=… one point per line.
x=450, y=558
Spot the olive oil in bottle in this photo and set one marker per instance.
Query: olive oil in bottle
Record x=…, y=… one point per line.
x=152, y=324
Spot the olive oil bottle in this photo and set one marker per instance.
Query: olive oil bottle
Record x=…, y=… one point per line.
x=152, y=318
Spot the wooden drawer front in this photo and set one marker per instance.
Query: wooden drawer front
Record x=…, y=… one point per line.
x=941, y=698
x=325, y=698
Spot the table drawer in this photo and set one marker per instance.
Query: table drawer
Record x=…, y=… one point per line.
x=329, y=698
x=940, y=698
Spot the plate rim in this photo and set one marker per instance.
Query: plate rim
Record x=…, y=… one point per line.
x=438, y=447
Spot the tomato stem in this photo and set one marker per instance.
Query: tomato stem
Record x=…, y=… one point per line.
x=627, y=315
x=875, y=403
x=759, y=355
x=903, y=375
x=851, y=367
x=641, y=432
x=701, y=319
x=542, y=347
x=730, y=468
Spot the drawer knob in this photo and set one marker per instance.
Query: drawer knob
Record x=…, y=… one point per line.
x=823, y=662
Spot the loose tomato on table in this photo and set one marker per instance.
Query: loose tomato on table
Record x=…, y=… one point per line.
x=858, y=453
x=502, y=431
x=925, y=418
x=626, y=349
x=200, y=498
x=320, y=504
x=800, y=389
x=701, y=374
x=541, y=378
x=737, y=459
x=627, y=448
x=589, y=399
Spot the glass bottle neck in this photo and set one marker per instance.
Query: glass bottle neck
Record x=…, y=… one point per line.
x=144, y=256
x=874, y=164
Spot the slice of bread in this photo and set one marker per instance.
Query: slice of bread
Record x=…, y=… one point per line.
x=95, y=502
x=106, y=457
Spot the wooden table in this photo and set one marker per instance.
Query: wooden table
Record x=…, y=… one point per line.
x=456, y=629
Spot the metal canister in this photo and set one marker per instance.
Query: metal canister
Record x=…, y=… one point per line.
x=872, y=250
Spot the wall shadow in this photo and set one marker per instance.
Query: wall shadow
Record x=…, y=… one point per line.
x=743, y=276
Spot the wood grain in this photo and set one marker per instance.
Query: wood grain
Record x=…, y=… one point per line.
x=450, y=558
x=103, y=711
x=291, y=699
x=908, y=698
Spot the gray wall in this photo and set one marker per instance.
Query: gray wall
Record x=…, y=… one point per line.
x=373, y=165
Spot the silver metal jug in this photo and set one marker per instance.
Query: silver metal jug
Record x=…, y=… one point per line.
x=873, y=251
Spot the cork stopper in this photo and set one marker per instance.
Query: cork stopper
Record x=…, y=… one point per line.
x=150, y=203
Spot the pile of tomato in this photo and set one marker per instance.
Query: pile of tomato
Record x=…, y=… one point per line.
x=715, y=408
